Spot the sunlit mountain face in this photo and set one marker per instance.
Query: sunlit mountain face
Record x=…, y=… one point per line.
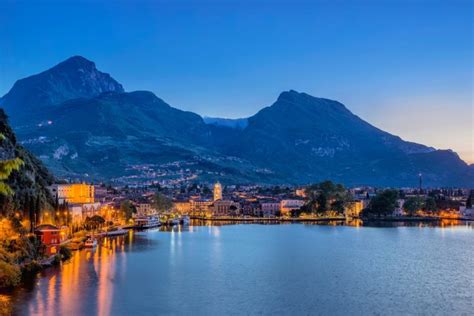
x=82, y=124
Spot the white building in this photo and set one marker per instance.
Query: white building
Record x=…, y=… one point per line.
x=399, y=210
x=286, y=206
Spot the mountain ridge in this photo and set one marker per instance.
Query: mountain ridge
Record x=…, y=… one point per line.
x=106, y=130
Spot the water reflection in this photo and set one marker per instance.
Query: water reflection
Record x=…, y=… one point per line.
x=167, y=261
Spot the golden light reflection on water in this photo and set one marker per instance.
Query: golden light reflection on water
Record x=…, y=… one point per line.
x=65, y=289
x=89, y=275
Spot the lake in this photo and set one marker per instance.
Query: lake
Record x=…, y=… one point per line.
x=262, y=269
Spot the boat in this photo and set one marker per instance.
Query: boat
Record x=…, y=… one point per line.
x=91, y=242
x=185, y=220
x=116, y=232
x=147, y=222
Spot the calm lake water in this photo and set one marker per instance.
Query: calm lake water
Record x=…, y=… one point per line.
x=296, y=269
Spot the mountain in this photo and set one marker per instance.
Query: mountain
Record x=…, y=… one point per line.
x=75, y=77
x=29, y=183
x=87, y=127
x=308, y=138
x=225, y=122
x=126, y=137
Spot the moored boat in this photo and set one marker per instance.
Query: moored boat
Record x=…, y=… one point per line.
x=91, y=242
x=147, y=222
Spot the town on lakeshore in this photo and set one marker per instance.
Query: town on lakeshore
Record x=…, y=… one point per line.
x=85, y=212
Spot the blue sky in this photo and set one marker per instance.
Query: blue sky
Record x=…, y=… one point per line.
x=404, y=66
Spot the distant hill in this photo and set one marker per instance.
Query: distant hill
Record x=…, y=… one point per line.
x=88, y=127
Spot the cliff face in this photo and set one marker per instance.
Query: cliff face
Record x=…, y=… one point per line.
x=28, y=183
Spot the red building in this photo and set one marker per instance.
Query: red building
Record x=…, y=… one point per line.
x=50, y=236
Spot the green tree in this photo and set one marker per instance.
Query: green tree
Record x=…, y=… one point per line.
x=413, y=204
x=94, y=222
x=127, y=209
x=6, y=168
x=384, y=203
x=430, y=204
x=326, y=196
x=161, y=202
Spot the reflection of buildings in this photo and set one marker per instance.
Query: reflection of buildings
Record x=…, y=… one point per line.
x=75, y=193
x=217, y=191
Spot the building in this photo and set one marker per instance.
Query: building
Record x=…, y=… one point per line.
x=226, y=208
x=182, y=207
x=145, y=209
x=75, y=193
x=399, y=210
x=217, y=191
x=50, y=236
x=354, y=208
x=286, y=206
x=269, y=208
x=79, y=212
x=200, y=207
x=250, y=208
x=466, y=212
x=300, y=192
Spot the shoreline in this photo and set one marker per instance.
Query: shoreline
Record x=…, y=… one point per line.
x=328, y=219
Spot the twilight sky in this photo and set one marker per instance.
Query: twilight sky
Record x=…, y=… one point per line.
x=404, y=66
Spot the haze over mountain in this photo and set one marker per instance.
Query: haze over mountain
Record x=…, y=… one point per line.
x=81, y=123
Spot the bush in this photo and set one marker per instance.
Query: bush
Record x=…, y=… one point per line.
x=32, y=267
x=10, y=275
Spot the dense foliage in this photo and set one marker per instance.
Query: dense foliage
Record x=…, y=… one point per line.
x=383, y=204
x=127, y=209
x=161, y=202
x=326, y=197
x=23, y=178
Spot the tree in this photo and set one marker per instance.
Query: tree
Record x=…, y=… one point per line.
x=94, y=222
x=326, y=196
x=413, y=204
x=430, y=204
x=127, y=209
x=384, y=203
x=162, y=203
x=6, y=168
